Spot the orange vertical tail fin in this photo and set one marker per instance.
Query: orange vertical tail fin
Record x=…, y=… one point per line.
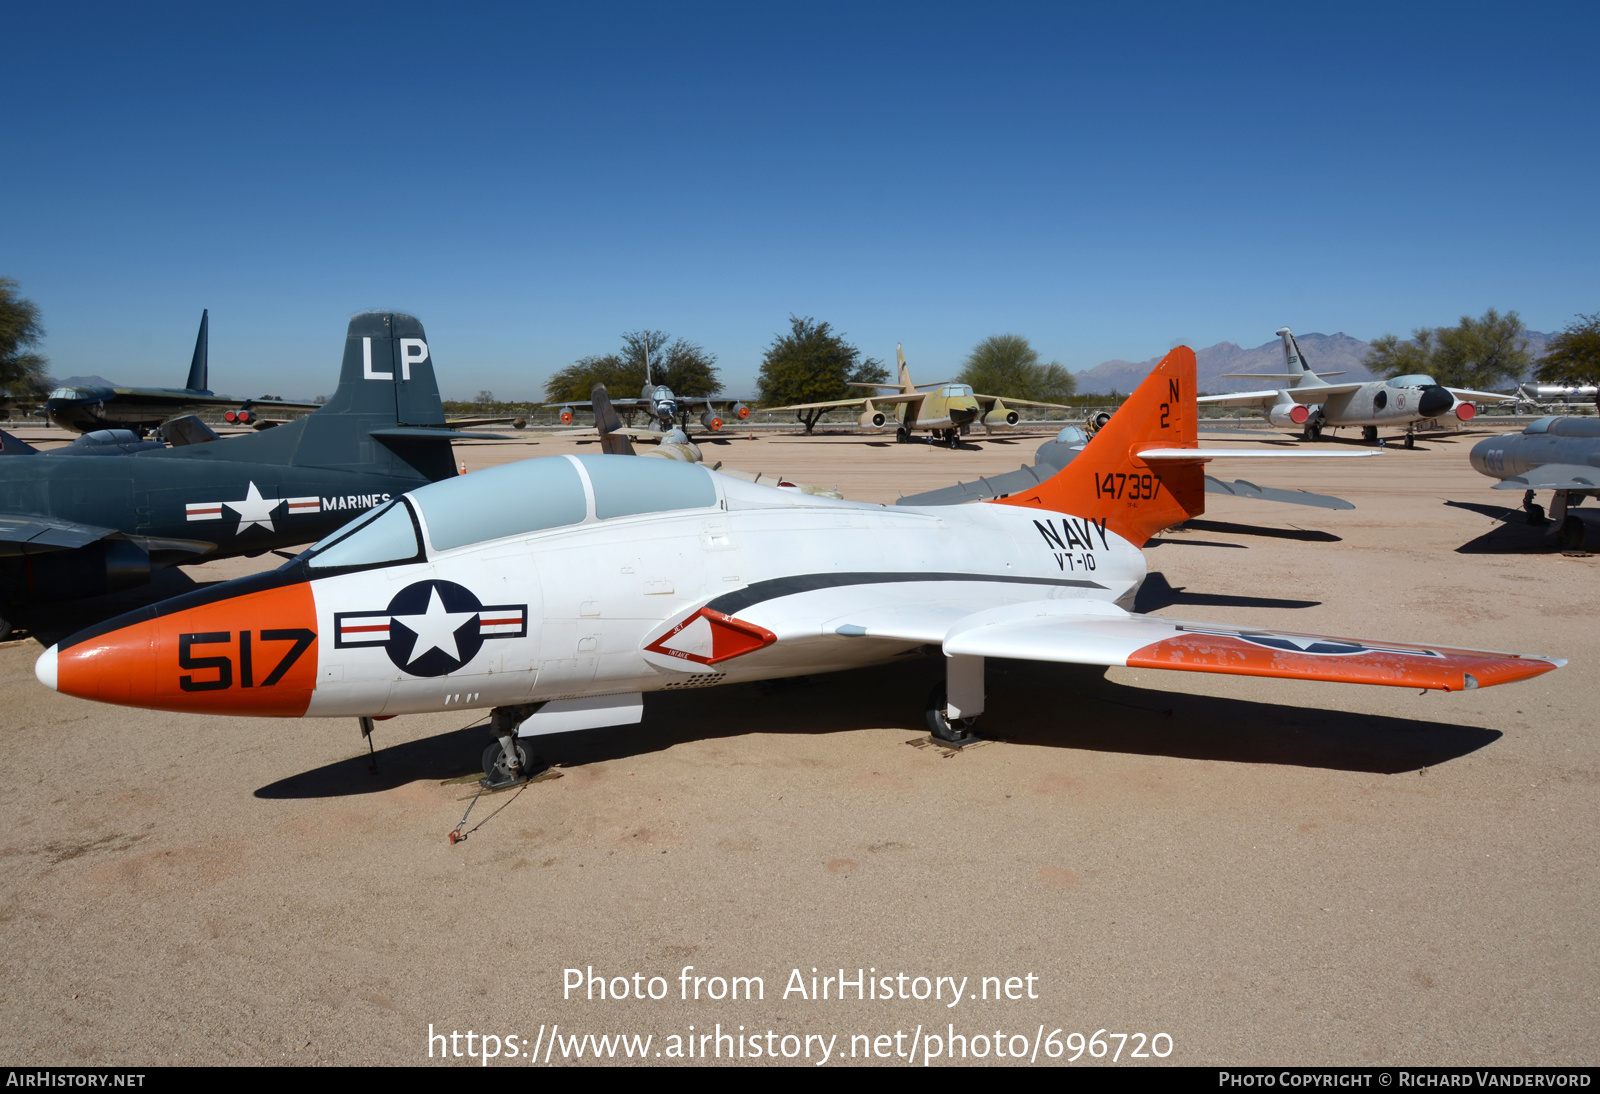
x=1108, y=481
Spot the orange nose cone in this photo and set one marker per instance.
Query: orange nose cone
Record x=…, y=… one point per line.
x=249, y=654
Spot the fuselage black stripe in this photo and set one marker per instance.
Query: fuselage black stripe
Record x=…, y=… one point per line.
x=761, y=591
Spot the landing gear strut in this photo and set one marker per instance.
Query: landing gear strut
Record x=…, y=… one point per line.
x=1570, y=529
x=507, y=762
x=1411, y=434
x=1534, y=511
x=954, y=706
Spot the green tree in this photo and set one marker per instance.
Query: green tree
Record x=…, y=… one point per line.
x=1006, y=365
x=812, y=364
x=1573, y=356
x=1479, y=353
x=21, y=373
x=682, y=366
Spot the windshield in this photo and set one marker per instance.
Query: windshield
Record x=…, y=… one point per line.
x=386, y=535
x=67, y=393
x=1416, y=379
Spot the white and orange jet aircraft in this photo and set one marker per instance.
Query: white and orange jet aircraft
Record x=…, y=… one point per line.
x=559, y=590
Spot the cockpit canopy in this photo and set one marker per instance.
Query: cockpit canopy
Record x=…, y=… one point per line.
x=516, y=499
x=1415, y=379
x=1564, y=427
x=71, y=393
x=955, y=391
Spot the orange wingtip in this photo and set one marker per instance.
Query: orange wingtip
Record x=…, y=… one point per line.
x=249, y=654
x=1341, y=660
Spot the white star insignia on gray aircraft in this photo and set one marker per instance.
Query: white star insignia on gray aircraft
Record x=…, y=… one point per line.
x=435, y=629
x=254, y=509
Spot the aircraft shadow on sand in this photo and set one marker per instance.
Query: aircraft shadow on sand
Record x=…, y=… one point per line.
x=1055, y=706
x=1309, y=535
x=1157, y=593
x=1513, y=535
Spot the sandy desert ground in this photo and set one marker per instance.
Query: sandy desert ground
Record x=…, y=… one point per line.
x=1267, y=872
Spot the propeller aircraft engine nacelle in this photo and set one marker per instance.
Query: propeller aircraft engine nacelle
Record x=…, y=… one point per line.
x=1000, y=414
x=566, y=415
x=1288, y=415
x=711, y=421
x=871, y=416
x=740, y=411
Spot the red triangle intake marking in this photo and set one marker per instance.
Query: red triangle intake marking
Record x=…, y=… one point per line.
x=708, y=638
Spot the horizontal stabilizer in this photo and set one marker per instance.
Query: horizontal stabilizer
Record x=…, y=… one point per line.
x=1238, y=488
x=1287, y=377
x=430, y=433
x=1243, y=454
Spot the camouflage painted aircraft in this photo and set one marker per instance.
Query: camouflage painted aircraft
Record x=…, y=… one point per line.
x=948, y=411
x=555, y=592
x=102, y=520
x=1304, y=402
x=84, y=409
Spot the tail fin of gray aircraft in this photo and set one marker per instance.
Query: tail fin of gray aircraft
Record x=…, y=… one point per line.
x=385, y=415
x=199, y=364
x=1296, y=373
x=607, y=422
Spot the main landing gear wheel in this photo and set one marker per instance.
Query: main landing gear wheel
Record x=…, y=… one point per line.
x=939, y=725
x=952, y=438
x=1533, y=509
x=902, y=435
x=497, y=772
x=1571, y=534
x=1369, y=432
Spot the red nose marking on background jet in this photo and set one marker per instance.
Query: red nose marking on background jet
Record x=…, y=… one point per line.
x=249, y=654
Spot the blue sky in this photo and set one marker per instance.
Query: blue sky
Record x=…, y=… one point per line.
x=532, y=180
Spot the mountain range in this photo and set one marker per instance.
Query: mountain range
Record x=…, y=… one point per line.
x=1323, y=352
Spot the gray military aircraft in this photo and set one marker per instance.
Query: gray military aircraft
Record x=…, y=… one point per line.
x=84, y=409
x=667, y=413
x=1558, y=454
x=103, y=520
x=1302, y=401
x=1055, y=454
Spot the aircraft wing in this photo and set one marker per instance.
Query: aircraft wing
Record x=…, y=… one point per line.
x=1099, y=634
x=25, y=534
x=1306, y=395
x=1554, y=476
x=1467, y=395
x=877, y=400
x=988, y=401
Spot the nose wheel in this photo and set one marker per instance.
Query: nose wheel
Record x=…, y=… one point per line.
x=503, y=767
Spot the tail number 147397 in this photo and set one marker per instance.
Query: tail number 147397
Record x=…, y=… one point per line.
x=1115, y=484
